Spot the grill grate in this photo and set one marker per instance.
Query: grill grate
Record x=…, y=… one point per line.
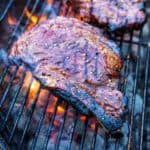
x=137, y=60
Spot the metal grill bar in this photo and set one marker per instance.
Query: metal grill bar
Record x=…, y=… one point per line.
x=40, y=122
x=145, y=95
x=20, y=112
x=116, y=142
x=94, y=137
x=32, y=11
x=8, y=88
x=83, y=134
x=6, y=9
x=141, y=42
x=3, y=75
x=11, y=39
x=29, y=118
x=74, y=126
x=134, y=94
x=50, y=126
x=61, y=128
x=13, y=102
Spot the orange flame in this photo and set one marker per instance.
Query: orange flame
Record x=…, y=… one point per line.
x=33, y=18
x=49, y=2
x=42, y=18
x=60, y=109
x=33, y=89
x=27, y=79
x=32, y=93
x=11, y=20
x=30, y=26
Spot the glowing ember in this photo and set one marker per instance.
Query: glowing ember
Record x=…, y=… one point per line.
x=93, y=125
x=50, y=109
x=11, y=20
x=56, y=123
x=83, y=118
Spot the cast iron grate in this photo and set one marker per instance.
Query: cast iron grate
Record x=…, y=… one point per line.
x=136, y=54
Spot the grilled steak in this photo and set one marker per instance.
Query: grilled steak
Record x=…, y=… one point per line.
x=111, y=13
x=77, y=62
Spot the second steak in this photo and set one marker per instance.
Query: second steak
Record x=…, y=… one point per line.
x=114, y=14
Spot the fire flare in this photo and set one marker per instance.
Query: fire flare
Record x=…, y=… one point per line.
x=34, y=19
x=11, y=20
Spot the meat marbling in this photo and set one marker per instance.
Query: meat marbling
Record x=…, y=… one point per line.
x=77, y=63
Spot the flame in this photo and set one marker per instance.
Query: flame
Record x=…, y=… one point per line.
x=49, y=2
x=33, y=89
x=11, y=20
x=60, y=110
x=42, y=97
x=32, y=93
x=78, y=17
x=33, y=18
x=27, y=79
x=50, y=109
x=42, y=18
x=30, y=26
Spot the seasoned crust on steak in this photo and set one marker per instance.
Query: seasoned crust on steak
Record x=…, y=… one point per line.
x=111, y=13
x=70, y=56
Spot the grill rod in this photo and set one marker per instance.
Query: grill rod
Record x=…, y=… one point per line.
x=12, y=102
x=6, y=9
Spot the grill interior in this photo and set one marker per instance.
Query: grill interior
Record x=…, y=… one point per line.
x=35, y=119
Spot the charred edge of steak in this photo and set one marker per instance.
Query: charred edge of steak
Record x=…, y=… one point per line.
x=66, y=96
x=81, y=100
